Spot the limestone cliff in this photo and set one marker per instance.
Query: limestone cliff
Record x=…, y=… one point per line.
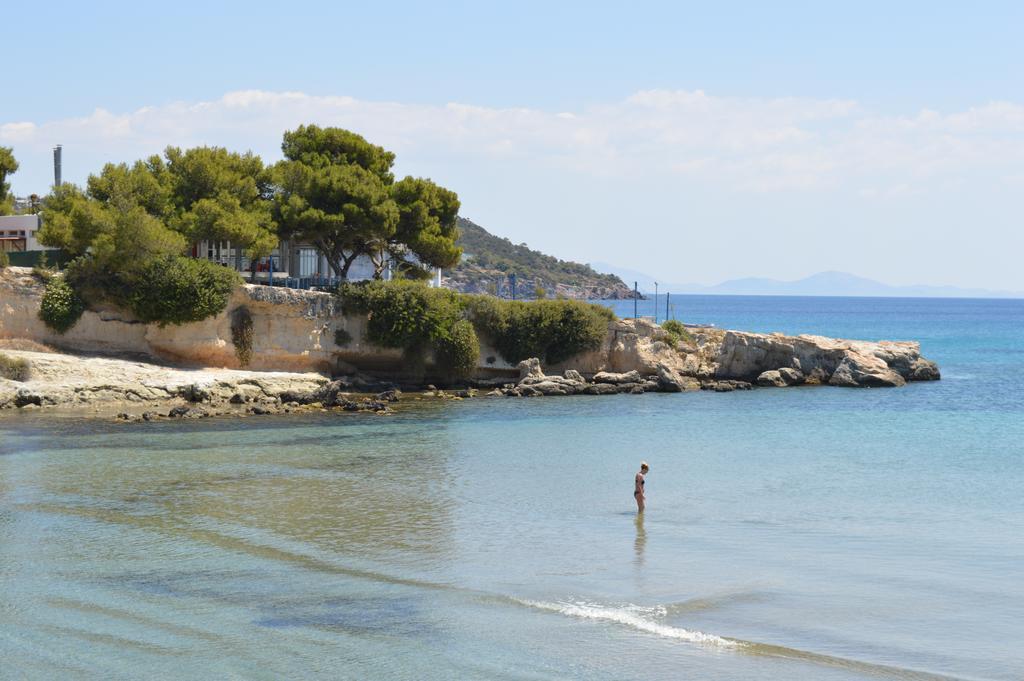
x=306, y=331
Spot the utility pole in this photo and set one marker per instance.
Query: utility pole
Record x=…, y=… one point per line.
x=636, y=296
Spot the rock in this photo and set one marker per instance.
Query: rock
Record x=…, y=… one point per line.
x=392, y=395
x=725, y=386
x=858, y=370
x=637, y=389
x=923, y=370
x=601, y=389
x=149, y=416
x=495, y=393
x=791, y=376
x=26, y=398
x=670, y=380
x=574, y=376
x=187, y=412
x=195, y=393
x=746, y=356
x=530, y=368
x=614, y=378
x=550, y=388
x=771, y=379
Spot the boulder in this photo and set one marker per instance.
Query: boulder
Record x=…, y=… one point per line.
x=670, y=380
x=792, y=376
x=771, y=379
x=858, y=370
x=550, y=388
x=530, y=368
x=923, y=369
x=601, y=389
x=26, y=398
x=574, y=376
x=614, y=378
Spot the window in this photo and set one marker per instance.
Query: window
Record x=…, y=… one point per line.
x=309, y=264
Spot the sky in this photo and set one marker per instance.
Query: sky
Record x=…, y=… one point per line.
x=696, y=142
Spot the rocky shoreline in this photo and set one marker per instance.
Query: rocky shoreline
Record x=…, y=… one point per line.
x=711, y=359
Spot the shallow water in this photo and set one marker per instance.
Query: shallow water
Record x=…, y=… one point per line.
x=811, y=533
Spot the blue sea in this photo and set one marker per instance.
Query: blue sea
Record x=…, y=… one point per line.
x=801, y=533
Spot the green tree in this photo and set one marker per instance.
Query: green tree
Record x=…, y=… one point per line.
x=72, y=221
x=334, y=191
x=221, y=195
x=8, y=166
x=426, y=227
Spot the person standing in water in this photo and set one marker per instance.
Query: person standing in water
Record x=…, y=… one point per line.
x=638, y=486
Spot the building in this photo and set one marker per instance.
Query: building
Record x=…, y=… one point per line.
x=18, y=233
x=292, y=264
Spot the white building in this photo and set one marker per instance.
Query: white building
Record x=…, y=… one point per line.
x=293, y=264
x=18, y=233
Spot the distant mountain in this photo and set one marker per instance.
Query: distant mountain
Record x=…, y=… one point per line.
x=821, y=284
x=488, y=260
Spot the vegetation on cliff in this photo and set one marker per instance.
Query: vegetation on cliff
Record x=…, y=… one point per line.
x=61, y=307
x=14, y=368
x=419, y=319
x=489, y=260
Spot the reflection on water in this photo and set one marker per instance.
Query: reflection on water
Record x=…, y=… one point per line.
x=640, y=544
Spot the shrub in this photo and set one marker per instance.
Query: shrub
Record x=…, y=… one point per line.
x=178, y=290
x=415, y=318
x=458, y=352
x=61, y=306
x=402, y=314
x=5, y=260
x=675, y=332
x=342, y=337
x=551, y=330
x=242, y=334
x=14, y=368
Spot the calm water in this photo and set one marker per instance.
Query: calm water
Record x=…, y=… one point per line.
x=812, y=533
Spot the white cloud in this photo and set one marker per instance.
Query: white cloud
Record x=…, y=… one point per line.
x=764, y=171
x=741, y=143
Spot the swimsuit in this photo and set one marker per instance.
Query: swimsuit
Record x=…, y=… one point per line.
x=638, y=491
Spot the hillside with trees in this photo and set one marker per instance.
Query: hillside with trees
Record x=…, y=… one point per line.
x=488, y=260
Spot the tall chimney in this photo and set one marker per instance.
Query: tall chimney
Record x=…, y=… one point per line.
x=56, y=166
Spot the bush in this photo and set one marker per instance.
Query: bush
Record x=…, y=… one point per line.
x=551, y=330
x=178, y=290
x=458, y=352
x=342, y=338
x=402, y=314
x=415, y=318
x=61, y=306
x=14, y=368
x=675, y=332
x=5, y=260
x=242, y=335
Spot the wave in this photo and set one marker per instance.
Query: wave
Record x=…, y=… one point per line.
x=633, y=616
x=643, y=618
